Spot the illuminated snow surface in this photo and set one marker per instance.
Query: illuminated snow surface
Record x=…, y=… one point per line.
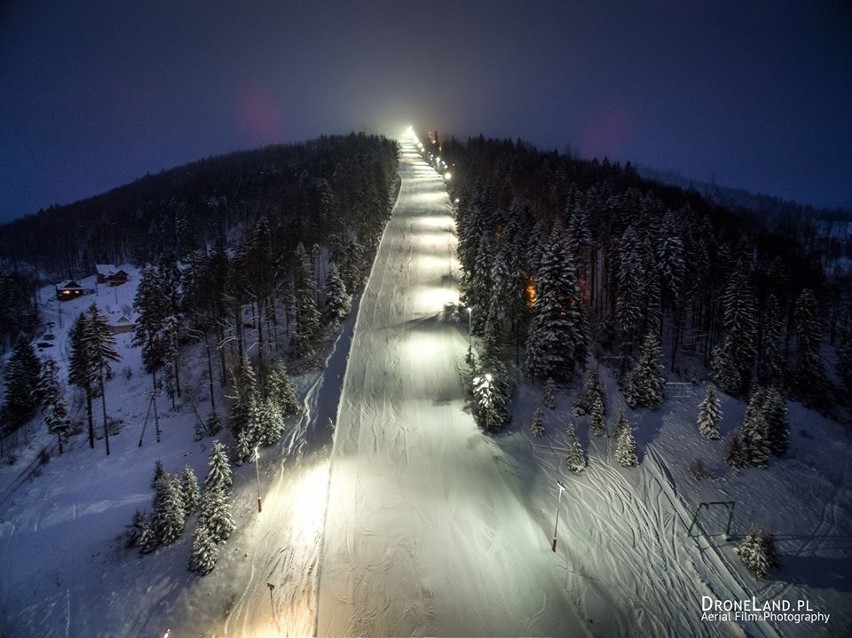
x=415, y=523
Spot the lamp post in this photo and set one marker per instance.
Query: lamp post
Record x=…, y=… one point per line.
x=257, y=471
x=470, y=324
x=558, y=503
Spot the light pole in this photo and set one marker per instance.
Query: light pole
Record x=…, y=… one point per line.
x=470, y=325
x=257, y=471
x=558, y=503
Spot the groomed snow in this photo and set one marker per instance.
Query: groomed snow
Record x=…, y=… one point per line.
x=416, y=523
x=427, y=531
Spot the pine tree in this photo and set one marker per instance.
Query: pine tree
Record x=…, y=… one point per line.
x=168, y=509
x=757, y=551
x=272, y=423
x=337, y=300
x=159, y=472
x=245, y=420
x=576, y=461
x=592, y=388
x=215, y=514
x=808, y=377
x=21, y=377
x=630, y=289
x=621, y=424
x=219, y=474
x=625, y=449
x=190, y=494
x=709, y=414
x=134, y=530
x=307, y=313
x=645, y=385
x=756, y=430
x=738, y=349
x=537, y=427
x=770, y=369
x=556, y=341
x=491, y=399
x=280, y=390
x=99, y=344
x=596, y=425
x=213, y=425
x=549, y=398
x=736, y=455
x=777, y=422
x=147, y=540
x=54, y=408
x=570, y=431
x=204, y=553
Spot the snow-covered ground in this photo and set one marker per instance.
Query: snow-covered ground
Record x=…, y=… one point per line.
x=415, y=523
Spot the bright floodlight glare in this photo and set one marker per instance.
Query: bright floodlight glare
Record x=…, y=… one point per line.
x=448, y=175
x=457, y=200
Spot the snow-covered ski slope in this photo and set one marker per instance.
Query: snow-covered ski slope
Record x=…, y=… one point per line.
x=427, y=530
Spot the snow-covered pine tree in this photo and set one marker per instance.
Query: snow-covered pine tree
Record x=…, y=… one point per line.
x=219, y=472
x=736, y=455
x=556, y=341
x=190, y=493
x=570, y=431
x=625, y=449
x=159, y=472
x=710, y=413
x=576, y=461
x=213, y=425
x=80, y=372
x=168, y=514
x=757, y=551
x=21, y=377
x=204, y=553
x=592, y=387
x=537, y=426
x=272, y=422
x=99, y=343
x=738, y=348
x=596, y=424
x=630, y=299
x=134, y=530
x=279, y=389
x=491, y=398
x=777, y=421
x=307, y=314
x=645, y=384
x=215, y=513
x=723, y=371
x=147, y=539
x=337, y=300
x=621, y=424
x=152, y=306
x=770, y=367
x=756, y=430
x=549, y=397
x=54, y=408
x=245, y=412
x=808, y=377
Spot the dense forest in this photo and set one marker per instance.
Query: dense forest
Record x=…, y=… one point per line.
x=256, y=252
x=568, y=263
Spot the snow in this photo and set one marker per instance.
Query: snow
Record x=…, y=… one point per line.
x=405, y=519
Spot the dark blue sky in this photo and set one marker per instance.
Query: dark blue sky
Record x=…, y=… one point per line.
x=756, y=94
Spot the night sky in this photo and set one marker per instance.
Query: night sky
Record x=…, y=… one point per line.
x=754, y=94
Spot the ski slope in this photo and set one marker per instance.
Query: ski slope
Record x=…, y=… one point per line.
x=427, y=533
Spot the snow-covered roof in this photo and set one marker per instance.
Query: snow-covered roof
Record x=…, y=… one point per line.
x=104, y=269
x=70, y=284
